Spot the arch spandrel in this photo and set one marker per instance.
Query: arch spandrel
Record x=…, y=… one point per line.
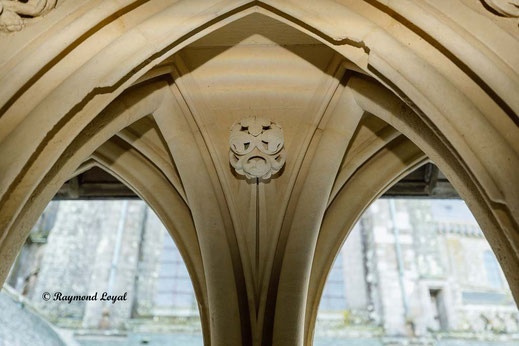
x=107, y=53
x=458, y=108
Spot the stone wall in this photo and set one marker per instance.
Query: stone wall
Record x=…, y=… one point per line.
x=447, y=285
x=442, y=272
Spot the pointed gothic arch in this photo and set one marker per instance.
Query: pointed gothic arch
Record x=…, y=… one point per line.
x=426, y=70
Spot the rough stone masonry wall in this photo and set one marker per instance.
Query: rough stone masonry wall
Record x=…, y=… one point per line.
x=450, y=263
x=67, y=264
x=105, y=314
x=149, y=265
x=78, y=259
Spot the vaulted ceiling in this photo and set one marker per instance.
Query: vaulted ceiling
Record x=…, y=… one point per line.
x=149, y=90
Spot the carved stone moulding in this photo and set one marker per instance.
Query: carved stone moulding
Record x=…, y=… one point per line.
x=257, y=148
x=507, y=8
x=11, y=12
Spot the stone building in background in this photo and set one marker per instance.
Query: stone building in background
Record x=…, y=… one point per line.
x=410, y=268
x=427, y=269
x=116, y=247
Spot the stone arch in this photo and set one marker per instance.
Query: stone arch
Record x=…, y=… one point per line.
x=340, y=217
x=142, y=170
x=99, y=52
x=169, y=207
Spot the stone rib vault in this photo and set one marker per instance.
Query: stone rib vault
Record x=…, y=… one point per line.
x=365, y=91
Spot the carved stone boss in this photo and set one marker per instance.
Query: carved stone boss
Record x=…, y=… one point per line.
x=11, y=12
x=257, y=148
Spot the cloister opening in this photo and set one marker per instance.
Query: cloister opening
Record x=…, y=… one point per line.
x=99, y=272
x=360, y=94
x=416, y=269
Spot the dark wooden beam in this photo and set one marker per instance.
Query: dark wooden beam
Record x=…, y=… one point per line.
x=425, y=182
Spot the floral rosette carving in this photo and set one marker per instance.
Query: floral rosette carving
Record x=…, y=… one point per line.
x=257, y=148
